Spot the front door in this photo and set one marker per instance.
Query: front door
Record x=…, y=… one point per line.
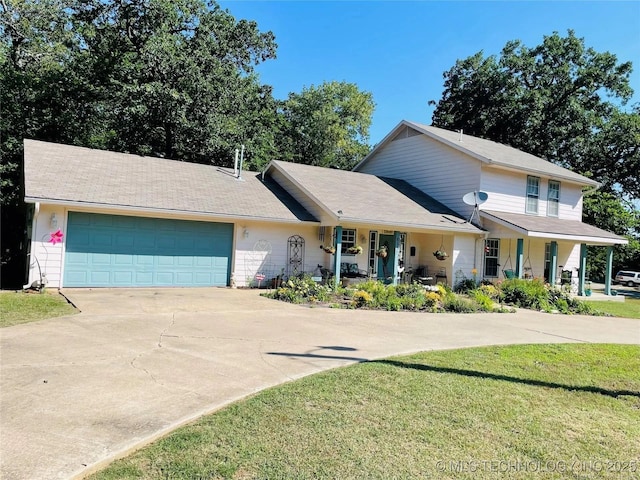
x=385, y=264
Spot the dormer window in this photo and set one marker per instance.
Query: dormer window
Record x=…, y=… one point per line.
x=533, y=193
x=553, y=198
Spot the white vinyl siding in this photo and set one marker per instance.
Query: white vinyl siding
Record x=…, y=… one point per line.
x=438, y=170
x=533, y=194
x=553, y=198
x=506, y=194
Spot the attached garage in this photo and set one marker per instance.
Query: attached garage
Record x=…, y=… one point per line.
x=126, y=251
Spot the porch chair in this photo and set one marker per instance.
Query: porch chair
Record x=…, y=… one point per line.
x=441, y=275
x=421, y=275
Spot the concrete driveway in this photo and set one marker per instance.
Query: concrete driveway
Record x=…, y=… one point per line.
x=79, y=391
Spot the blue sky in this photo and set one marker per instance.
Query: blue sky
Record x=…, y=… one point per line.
x=399, y=50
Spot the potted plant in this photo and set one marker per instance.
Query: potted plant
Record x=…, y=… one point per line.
x=355, y=250
x=382, y=252
x=328, y=249
x=441, y=254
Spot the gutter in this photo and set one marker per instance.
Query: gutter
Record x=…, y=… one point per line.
x=165, y=211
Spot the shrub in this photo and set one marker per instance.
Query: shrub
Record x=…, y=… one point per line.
x=362, y=298
x=490, y=291
x=432, y=300
x=465, y=285
x=484, y=301
x=525, y=293
x=454, y=303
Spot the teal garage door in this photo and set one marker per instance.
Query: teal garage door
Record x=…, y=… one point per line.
x=121, y=251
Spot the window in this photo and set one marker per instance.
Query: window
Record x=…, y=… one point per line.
x=533, y=192
x=553, y=198
x=348, y=239
x=491, y=255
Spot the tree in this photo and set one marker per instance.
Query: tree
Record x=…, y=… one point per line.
x=178, y=77
x=550, y=101
x=327, y=125
x=160, y=77
x=547, y=100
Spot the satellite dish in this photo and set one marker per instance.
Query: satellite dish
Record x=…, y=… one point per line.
x=476, y=199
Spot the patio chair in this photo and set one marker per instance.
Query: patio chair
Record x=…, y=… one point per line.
x=421, y=275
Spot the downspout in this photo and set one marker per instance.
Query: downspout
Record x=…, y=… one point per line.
x=31, y=255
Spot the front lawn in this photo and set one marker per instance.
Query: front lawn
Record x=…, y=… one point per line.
x=630, y=308
x=22, y=307
x=539, y=411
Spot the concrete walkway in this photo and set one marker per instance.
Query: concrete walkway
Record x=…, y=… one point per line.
x=79, y=391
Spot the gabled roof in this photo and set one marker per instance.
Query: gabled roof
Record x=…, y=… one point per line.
x=556, y=228
x=488, y=152
x=64, y=174
x=363, y=198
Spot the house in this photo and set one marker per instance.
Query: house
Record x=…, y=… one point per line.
x=126, y=220
x=105, y=219
x=532, y=216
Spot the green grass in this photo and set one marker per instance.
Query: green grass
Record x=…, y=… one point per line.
x=532, y=406
x=630, y=308
x=22, y=307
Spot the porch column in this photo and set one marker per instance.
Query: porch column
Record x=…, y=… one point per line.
x=553, y=265
x=396, y=253
x=338, y=256
x=582, y=269
x=519, y=257
x=607, y=271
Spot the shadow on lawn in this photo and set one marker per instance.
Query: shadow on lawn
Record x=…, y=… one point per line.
x=505, y=378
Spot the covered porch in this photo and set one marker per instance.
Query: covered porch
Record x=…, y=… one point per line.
x=547, y=247
x=356, y=253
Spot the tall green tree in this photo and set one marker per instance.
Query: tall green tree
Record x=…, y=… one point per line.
x=327, y=125
x=178, y=77
x=561, y=101
x=169, y=78
x=547, y=100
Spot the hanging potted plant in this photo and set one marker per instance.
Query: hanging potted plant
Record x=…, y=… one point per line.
x=382, y=252
x=328, y=249
x=355, y=250
x=440, y=254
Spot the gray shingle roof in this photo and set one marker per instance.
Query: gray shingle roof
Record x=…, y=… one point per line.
x=492, y=153
x=68, y=174
x=365, y=198
x=552, y=226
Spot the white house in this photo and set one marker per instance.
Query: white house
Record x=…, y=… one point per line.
x=533, y=213
x=105, y=219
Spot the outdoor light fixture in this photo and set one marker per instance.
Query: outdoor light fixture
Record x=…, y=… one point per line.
x=53, y=222
x=245, y=233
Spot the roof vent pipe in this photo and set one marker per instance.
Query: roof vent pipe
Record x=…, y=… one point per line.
x=460, y=135
x=241, y=160
x=235, y=165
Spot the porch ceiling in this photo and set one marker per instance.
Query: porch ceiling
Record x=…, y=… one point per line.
x=554, y=228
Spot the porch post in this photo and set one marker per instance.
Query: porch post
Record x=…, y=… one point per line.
x=396, y=252
x=553, y=265
x=607, y=272
x=338, y=255
x=519, y=257
x=582, y=269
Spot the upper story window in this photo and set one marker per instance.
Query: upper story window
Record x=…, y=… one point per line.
x=348, y=238
x=533, y=193
x=553, y=198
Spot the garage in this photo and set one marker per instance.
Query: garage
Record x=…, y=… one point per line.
x=123, y=251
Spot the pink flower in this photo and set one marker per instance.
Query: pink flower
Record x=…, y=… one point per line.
x=56, y=237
